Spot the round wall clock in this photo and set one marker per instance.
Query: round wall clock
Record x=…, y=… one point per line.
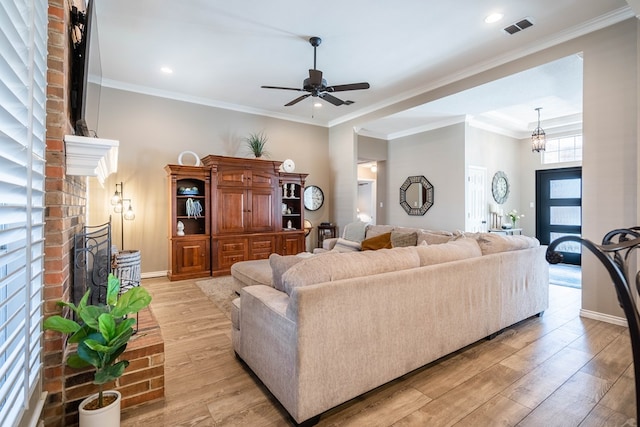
x=500, y=187
x=313, y=198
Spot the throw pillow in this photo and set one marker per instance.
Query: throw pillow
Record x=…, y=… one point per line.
x=344, y=245
x=279, y=265
x=381, y=241
x=399, y=240
x=354, y=231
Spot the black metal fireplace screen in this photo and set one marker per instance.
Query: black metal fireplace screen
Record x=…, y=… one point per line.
x=92, y=263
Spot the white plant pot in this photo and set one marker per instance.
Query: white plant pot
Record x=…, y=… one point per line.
x=109, y=416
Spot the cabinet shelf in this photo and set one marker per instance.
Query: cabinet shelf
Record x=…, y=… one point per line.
x=190, y=253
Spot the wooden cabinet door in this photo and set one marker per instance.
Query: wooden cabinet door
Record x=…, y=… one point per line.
x=261, y=210
x=191, y=257
x=292, y=244
x=231, y=214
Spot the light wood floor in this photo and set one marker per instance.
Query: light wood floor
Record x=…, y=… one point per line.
x=558, y=370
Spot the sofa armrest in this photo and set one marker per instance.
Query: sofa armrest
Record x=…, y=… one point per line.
x=328, y=244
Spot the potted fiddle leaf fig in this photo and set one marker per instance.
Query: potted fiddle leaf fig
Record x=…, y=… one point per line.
x=101, y=334
x=256, y=142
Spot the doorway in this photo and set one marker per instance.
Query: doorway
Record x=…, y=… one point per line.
x=559, y=209
x=476, y=220
x=366, y=209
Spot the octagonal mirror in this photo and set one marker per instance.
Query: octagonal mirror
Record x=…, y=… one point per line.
x=416, y=195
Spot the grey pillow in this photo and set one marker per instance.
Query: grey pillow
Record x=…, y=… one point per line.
x=355, y=231
x=399, y=240
x=279, y=265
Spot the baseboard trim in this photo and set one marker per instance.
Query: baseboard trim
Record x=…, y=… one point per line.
x=621, y=321
x=153, y=274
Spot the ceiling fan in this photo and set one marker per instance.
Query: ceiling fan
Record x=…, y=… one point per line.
x=317, y=86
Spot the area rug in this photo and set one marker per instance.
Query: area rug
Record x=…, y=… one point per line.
x=220, y=291
x=565, y=275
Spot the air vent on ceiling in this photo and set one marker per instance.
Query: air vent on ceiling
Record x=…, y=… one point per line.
x=519, y=26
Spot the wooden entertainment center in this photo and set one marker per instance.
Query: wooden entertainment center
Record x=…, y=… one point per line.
x=248, y=208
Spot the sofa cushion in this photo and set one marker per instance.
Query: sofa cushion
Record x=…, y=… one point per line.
x=376, y=230
x=338, y=266
x=344, y=245
x=451, y=251
x=279, y=265
x=253, y=272
x=402, y=239
x=434, y=237
x=492, y=243
x=381, y=241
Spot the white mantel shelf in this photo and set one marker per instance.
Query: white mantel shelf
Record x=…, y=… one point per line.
x=91, y=156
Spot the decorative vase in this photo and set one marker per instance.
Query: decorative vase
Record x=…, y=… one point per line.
x=109, y=416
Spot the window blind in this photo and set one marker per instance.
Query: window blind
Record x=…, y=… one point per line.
x=23, y=63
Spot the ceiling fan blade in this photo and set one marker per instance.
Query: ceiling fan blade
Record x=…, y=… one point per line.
x=332, y=99
x=280, y=87
x=315, y=77
x=298, y=99
x=352, y=86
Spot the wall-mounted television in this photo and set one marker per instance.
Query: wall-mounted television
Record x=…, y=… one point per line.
x=86, y=71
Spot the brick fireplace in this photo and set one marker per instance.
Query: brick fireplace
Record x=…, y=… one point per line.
x=65, y=213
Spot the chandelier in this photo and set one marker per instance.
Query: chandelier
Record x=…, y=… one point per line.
x=538, y=138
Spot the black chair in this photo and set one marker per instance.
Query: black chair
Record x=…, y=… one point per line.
x=614, y=252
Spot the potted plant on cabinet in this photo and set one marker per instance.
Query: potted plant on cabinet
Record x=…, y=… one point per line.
x=102, y=336
x=256, y=142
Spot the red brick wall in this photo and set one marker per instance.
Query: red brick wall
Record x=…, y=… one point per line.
x=65, y=203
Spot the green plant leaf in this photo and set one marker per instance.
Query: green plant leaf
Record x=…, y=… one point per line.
x=110, y=373
x=60, y=324
x=98, y=346
x=81, y=334
x=113, y=356
x=75, y=361
x=88, y=355
x=113, y=289
x=132, y=301
x=90, y=314
x=107, y=326
x=122, y=339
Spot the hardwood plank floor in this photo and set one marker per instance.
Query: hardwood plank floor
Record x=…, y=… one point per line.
x=557, y=370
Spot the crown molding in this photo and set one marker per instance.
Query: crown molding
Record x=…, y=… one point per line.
x=145, y=90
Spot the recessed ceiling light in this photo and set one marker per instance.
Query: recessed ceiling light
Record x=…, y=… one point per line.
x=494, y=17
x=166, y=70
x=317, y=104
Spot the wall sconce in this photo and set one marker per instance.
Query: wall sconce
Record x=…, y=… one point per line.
x=119, y=202
x=538, y=138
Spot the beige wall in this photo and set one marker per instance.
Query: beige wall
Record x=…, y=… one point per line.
x=439, y=155
x=610, y=168
x=153, y=132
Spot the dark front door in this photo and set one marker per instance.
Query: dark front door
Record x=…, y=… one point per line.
x=559, y=209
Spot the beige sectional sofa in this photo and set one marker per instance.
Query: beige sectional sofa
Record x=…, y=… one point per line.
x=332, y=326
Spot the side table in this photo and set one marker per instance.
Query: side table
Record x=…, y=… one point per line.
x=326, y=231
